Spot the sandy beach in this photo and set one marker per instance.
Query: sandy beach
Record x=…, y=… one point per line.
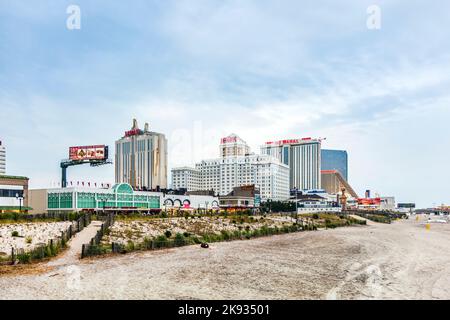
x=378, y=261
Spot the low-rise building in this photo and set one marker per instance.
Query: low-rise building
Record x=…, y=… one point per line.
x=186, y=178
x=190, y=202
x=406, y=207
x=388, y=203
x=13, y=194
x=120, y=198
x=244, y=197
x=315, y=201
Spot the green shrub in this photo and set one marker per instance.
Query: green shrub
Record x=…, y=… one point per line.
x=63, y=242
x=28, y=240
x=168, y=234
x=196, y=240
x=315, y=216
x=24, y=257
x=161, y=241
x=179, y=240
x=48, y=251
x=38, y=253
x=237, y=234
x=186, y=234
x=130, y=246
x=205, y=238
x=54, y=250
x=147, y=243
x=215, y=237
x=97, y=250
x=15, y=234
x=225, y=235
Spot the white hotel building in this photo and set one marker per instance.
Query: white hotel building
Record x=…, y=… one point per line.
x=187, y=178
x=2, y=159
x=237, y=167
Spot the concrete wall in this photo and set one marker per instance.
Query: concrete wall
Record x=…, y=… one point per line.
x=38, y=200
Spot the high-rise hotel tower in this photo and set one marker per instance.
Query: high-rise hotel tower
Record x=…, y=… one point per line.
x=303, y=156
x=2, y=159
x=141, y=159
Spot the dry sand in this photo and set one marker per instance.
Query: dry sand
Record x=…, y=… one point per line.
x=398, y=261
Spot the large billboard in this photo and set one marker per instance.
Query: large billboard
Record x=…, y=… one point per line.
x=99, y=152
x=369, y=201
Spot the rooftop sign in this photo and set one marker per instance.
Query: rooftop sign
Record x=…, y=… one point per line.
x=133, y=132
x=288, y=141
x=228, y=140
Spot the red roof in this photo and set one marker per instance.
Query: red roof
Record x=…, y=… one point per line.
x=329, y=171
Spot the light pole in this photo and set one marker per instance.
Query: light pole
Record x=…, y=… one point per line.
x=18, y=197
x=206, y=207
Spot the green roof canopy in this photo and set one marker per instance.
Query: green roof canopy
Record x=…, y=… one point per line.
x=123, y=188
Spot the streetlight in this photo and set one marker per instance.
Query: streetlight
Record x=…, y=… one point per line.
x=18, y=197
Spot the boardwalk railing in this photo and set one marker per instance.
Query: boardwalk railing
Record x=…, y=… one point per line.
x=93, y=247
x=52, y=247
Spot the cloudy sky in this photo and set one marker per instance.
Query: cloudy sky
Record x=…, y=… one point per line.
x=197, y=70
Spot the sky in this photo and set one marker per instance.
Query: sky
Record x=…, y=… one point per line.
x=198, y=70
